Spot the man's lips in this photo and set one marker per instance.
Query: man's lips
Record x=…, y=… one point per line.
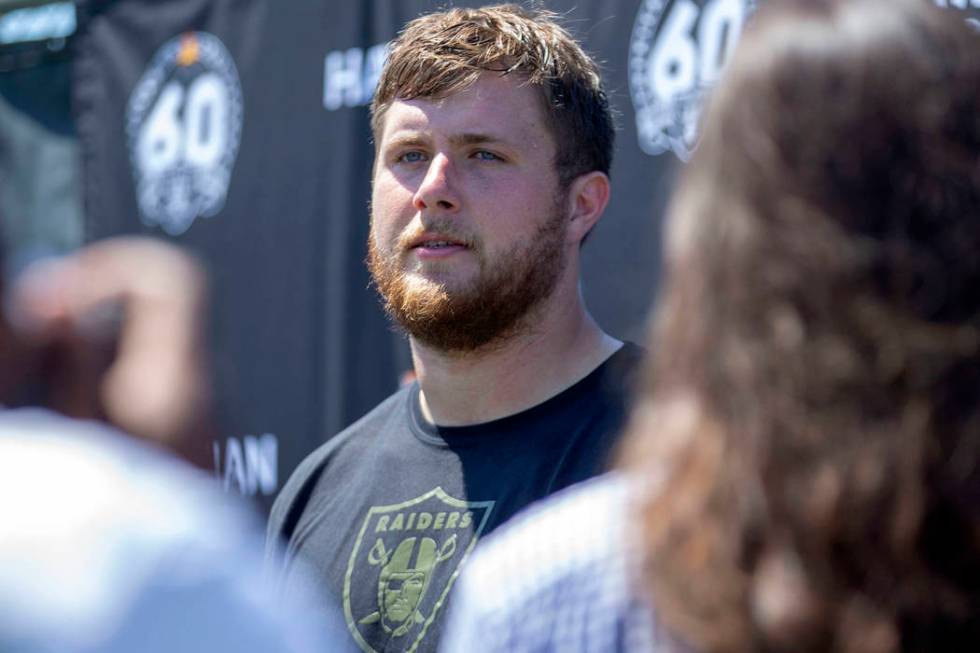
x=436, y=245
x=434, y=240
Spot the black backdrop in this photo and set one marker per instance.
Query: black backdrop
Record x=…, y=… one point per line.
x=277, y=205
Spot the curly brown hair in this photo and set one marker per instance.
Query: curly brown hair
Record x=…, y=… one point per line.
x=810, y=423
x=444, y=52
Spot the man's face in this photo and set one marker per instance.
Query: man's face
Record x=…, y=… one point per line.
x=402, y=594
x=468, y=228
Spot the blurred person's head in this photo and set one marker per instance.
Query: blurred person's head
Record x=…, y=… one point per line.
x=811, y=420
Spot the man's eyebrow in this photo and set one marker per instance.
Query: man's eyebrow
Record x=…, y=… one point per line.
x=407, y=140
x=475, y=139
x=416, y=139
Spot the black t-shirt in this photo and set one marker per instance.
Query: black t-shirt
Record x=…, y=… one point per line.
x=385, y=512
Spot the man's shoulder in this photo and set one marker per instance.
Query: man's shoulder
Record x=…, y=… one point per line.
x=619, y=371
x=613, y=382
x=366, y=424
x=360, y=434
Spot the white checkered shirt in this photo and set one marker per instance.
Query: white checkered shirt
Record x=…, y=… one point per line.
x=555, y=578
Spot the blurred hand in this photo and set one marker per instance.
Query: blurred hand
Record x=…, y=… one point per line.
x=121, y=325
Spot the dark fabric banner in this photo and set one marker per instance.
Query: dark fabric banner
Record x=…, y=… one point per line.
x=239, y=129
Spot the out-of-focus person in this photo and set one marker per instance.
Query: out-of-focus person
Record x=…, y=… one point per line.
x=114, y=332
x=802, y=470
x=108, y=542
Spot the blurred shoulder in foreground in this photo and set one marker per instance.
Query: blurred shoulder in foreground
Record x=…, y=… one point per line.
x=108, y=545
x=555, y=578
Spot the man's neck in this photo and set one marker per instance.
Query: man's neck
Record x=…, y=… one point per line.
x=564, y=346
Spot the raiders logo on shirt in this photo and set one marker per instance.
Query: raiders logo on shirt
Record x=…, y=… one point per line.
x=404, y=562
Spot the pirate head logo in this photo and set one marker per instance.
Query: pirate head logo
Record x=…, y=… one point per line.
x=677, y=51
x=402, y=584
x=403, y=565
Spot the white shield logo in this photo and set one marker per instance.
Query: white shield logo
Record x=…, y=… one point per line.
x=183, y=124
x=677, y=51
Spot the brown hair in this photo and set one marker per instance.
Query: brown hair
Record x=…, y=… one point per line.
x=810, y=424
x=442, y=53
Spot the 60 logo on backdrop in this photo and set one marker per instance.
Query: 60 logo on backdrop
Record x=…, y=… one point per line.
x=183, y=124
x=677, y=51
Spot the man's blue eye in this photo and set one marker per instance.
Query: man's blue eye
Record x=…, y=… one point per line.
x=412, y=157
x=487, y=156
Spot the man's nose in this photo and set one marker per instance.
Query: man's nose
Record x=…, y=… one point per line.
x=437, y=192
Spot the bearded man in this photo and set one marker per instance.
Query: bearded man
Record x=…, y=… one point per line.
x=493, y=144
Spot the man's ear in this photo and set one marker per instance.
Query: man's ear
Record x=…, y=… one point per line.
x=588, y=196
